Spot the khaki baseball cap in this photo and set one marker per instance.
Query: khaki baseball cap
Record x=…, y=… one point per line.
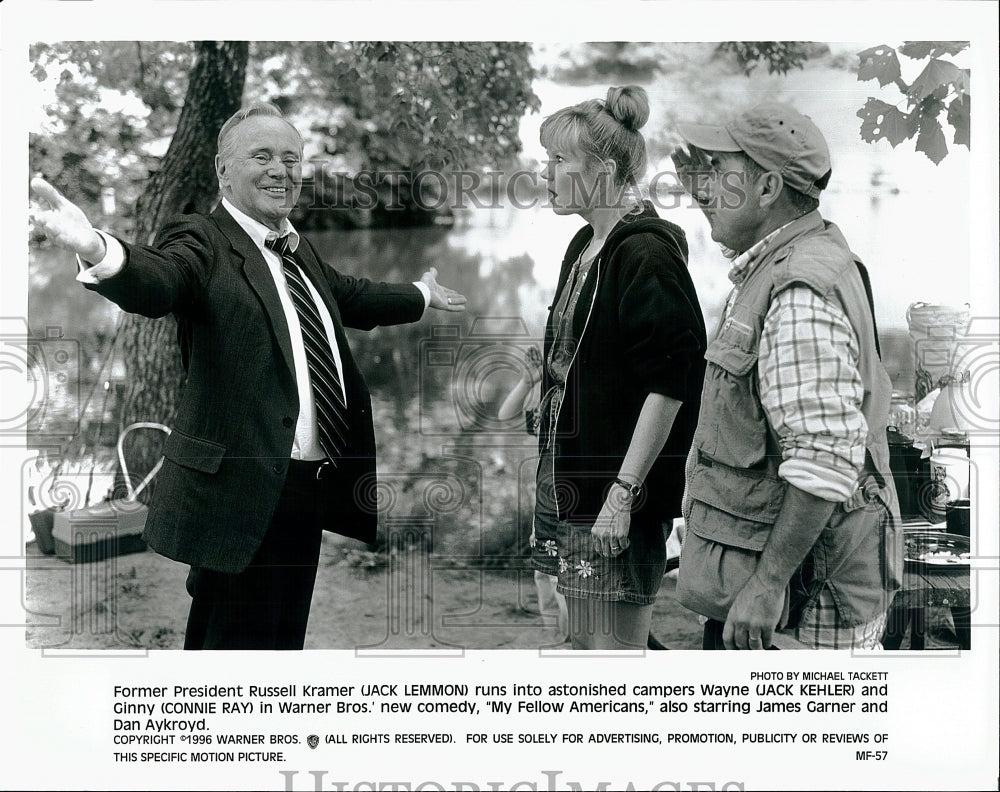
x=777, y=137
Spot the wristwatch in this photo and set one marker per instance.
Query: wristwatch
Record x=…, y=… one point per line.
x=634, y=490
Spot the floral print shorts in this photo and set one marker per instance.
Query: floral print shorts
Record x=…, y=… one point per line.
x=566, y=549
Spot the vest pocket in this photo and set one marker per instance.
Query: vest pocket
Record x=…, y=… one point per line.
x=878, y=518
x=713, y=570
x=752, y=496
x=732, y=427
x=735, y=348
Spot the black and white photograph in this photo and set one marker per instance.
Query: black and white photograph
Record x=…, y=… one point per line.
x=499, y=379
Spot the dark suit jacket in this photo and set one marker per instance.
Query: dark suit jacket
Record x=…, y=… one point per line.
x=227, y=456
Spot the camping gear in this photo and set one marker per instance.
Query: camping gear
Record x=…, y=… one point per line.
x=934, y=329
x=948, y=480
x=41, y=526
x=947, y=412
x=958, y=516
x=111, y=528
x=908, y=472
x=903, y=413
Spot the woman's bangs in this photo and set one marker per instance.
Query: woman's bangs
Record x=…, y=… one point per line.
x=562, y=132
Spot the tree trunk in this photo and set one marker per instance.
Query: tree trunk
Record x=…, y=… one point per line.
x=184, y=183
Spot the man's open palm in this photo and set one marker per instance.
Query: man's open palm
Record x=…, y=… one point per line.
x=63, y=222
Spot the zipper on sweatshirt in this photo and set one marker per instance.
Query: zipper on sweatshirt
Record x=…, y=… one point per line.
x=569, y=368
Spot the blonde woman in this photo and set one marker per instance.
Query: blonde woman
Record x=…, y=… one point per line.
x=621, y=377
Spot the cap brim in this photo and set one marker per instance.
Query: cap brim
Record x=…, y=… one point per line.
x=709, y=138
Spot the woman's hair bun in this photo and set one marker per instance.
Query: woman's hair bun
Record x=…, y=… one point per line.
x=628, y=105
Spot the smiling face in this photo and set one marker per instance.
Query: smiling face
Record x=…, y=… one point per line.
x=260, y=171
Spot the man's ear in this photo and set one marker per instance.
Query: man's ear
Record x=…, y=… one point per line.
x=771, y=187
x=220, y=169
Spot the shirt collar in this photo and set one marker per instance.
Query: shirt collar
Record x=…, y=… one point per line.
x=259, y=232
x=744, y=262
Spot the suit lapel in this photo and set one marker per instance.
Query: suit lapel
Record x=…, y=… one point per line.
x=260, y=280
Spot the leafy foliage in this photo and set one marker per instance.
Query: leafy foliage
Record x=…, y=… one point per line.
x=112, y=103
x=940, y=87
x=879, y=63
x=885, y=120
x=619, y=61
x=779, y=56
x=114, y=107
x=363, y=106
x=385, y=111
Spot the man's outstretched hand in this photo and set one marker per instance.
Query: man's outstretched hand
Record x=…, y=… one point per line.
x=442, y=298
x=63, y=222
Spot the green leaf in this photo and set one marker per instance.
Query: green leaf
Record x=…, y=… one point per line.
x=879, y=63
x=350, y=78
x=922, y=49
x=868, y=113
x=950, y=48
x=917, y=49
x=881, y=120
x=958, y=117
x=932, y=105
x=931, y=140
x=936, y=73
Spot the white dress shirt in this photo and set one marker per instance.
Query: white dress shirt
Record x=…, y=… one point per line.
x=305, y=445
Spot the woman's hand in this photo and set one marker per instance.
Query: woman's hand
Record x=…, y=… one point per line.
x=651, y=432
x=533, y=365
x=515, y=402
x=610, y=532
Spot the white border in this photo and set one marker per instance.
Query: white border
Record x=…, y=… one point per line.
x=944, y=732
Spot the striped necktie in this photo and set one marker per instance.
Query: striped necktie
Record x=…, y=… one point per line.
x=328, y=392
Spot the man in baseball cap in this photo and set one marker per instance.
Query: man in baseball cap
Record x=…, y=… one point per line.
x=791, y=514
x=775, y=136
x=770, y=139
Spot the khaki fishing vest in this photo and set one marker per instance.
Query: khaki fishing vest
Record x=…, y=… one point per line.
x=735, y=457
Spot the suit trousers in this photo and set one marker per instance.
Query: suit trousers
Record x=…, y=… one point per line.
x=267, y=605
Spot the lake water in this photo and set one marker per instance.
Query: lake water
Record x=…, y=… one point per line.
x=507, y=261
x=913, y=238
x=437, y=384
x=906, y=218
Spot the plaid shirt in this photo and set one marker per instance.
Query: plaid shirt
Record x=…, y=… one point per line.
x=810, y=386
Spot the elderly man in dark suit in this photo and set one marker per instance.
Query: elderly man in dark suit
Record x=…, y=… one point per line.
x=273, y=439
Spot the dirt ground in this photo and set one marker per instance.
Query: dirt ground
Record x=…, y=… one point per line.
x=415, y=601
x=138, y=601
